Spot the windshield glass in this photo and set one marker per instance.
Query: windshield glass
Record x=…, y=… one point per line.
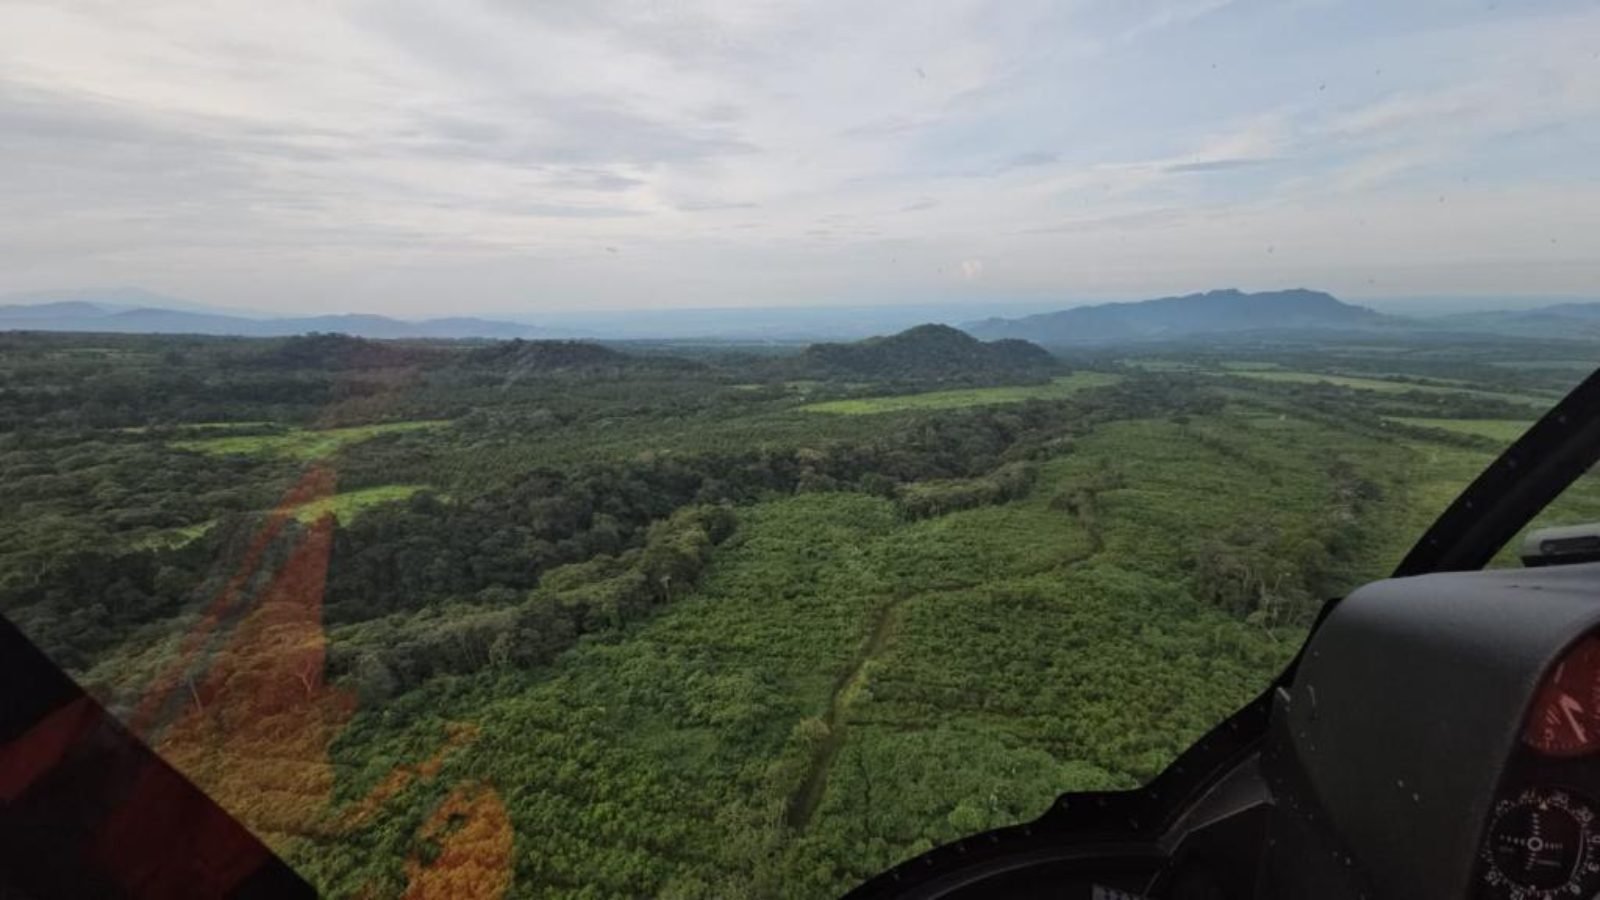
x=723, y=450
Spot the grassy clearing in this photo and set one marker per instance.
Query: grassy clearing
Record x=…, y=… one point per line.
x=1159, y=365
x=1503, y=430
x=301, y=444
x=345, y=506
x=1379, y=385
x=1064, y=386
x=198, y=426
x=173, y=537
x=1434, y=380
x=224, y=426
x=1436, y=476
x=1560, y=365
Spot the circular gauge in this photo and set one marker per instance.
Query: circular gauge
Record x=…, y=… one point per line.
x=1543, y=845
x=1565, y=719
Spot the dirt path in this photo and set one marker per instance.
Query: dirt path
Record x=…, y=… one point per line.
x=803, y=804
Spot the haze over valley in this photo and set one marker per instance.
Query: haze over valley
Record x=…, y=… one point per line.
x=1218, y=314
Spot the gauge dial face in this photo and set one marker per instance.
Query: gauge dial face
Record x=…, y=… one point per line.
x=1543, y=844
x=1565, y=719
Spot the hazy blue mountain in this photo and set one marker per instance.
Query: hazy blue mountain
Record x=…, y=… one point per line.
x=468, y=327
x=1213, y=312
x=54, y=309
x=114, y=299
x=1560, y=320
x=928, y=351
x=168, y=321
x=1213, y=315
x=79, y=315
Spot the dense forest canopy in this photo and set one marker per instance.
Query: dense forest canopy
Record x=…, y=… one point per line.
x=590, y=622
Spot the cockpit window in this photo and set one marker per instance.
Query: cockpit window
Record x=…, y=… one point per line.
x=709, y=450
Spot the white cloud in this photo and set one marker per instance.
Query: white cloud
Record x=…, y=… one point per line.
x=486, y=153
x=1159, y=14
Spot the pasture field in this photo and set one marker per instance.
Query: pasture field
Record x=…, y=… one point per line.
x=1388, y=386
x=299, y=443
x=1503, y=430
x=1064, y=386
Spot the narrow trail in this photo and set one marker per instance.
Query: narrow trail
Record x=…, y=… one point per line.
x=803, y=804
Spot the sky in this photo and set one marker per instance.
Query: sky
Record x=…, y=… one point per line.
x=516, y=156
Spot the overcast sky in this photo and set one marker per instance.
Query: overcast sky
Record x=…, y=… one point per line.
x=508, y=156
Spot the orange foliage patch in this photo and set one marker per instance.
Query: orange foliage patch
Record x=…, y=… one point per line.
x=458, y=735
x=316, y=483
x=248, y=718
x=253, y=727
x=474, y=859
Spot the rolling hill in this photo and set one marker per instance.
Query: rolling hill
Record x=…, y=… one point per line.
x=928, y=352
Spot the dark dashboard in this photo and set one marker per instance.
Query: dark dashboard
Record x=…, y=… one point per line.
x=1543, y=837
x=1413, y=739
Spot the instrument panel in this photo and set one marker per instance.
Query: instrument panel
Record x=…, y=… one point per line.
x=1565, y=718
x=1543, y=836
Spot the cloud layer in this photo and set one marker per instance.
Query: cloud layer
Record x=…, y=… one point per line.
x=510, y=156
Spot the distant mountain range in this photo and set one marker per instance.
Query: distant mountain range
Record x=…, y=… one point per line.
x=1168, y=318
x=136, y=311
x=82, y=315
x=1211, y=315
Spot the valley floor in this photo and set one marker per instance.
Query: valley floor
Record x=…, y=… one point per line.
x=847, y=688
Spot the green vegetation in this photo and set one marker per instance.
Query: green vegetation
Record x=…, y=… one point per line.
x=1503, y=431
x=301, y=444
x=1581, y=366
x=664, y=630
x=1392, y=386
x=1056, y=388
x=205, y=426
x=173, y=537
x=1161, y=365
x=346, y=505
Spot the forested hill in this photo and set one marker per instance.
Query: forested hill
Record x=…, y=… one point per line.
x=1213, y=312
x=929, y=352
x=497, y=358
x=520, y=356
